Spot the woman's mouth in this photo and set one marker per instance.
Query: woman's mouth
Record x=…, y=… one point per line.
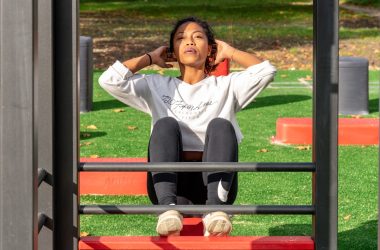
x=190, y=50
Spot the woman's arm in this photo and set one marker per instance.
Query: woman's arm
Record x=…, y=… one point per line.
x=226, y=51
x=158, y=57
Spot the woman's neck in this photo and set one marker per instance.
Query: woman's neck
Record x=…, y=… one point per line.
x=192, y=75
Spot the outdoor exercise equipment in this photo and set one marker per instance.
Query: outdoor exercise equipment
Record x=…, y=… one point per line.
x=39, y=158
x=351, y=131
x=113, y=183
x=85, y=74
x=353, y=85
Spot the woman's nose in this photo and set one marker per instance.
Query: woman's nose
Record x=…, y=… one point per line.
x=190, y=41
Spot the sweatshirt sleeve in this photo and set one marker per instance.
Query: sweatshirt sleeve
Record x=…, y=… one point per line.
x=247, y=84
x=131, y=89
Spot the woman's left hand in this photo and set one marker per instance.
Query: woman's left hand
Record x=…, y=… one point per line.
x=224, y=51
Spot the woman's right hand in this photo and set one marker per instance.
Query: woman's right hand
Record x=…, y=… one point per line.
x=160, y=57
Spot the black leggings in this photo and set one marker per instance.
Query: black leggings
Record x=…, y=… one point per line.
x=185, y=188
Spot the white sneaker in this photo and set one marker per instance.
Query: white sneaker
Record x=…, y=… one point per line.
x=169, y=223
x=217, y=224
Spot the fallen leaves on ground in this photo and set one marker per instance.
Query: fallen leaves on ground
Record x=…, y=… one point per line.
x=132, y=127
x=87, y=143
x=93, y=127
x=94, y=156
x=356, y=116
x=263, y=150
x=118, y=110
x=304, y=80
x=347, y=217
x=308, y=78
x=84, y=234
x=303, y=147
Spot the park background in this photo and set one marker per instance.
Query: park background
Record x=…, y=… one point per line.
x=280, y=31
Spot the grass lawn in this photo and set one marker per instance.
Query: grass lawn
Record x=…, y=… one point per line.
x=280, y=30
x=123, y=132
x=236, y=21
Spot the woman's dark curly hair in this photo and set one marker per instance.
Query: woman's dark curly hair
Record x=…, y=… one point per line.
x=210, y=60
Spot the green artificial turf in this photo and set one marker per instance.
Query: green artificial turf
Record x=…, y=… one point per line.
x=108, y=132
x=249, y=23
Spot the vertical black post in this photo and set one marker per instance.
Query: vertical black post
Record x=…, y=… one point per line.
x=325, y=124
x=44, y=102
x=65, y=132
x=18, y=157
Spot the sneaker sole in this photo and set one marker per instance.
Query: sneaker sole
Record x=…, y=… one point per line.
x=170, y=224
x=218, y=225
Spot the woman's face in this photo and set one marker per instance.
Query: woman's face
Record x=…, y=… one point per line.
x=191, y=45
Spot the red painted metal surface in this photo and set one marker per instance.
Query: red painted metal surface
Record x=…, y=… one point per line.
x=196, y=243
x=351, y=131
x=223, y=69
x=113, y=183
x=192, y=227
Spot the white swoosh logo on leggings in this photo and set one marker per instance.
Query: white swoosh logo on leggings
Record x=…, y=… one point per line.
x=222, y=193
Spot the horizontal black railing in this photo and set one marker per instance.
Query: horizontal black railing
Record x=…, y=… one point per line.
x=197, y=166
x=196, y=209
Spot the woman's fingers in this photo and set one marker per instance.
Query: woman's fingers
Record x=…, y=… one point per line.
x=162, y=63
x=224, y=51
x=157, y=54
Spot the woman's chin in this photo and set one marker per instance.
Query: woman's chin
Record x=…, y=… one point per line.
x=192, y=63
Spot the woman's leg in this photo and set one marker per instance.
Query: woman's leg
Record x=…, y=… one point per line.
x=165, y=145
x=220, y=146
x=182, y=188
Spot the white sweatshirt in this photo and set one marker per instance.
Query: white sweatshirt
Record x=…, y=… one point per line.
x=192, y=105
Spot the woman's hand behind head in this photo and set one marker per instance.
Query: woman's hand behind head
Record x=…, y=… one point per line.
x=224, y=51
x=160, y=57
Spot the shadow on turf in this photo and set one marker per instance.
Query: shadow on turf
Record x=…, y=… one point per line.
x=373, y=105
x=110, y=104
x=291, y=229
x=89, y=135
x=277, y=100
x=362, y=237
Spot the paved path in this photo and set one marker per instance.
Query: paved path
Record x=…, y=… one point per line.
x=374, y=12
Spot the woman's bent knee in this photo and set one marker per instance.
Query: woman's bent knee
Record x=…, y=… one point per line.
x=166, y=123
x=221, y=126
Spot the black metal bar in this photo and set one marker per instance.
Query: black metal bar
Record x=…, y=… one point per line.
x=18, y=158
x=45, y=119
x=65, y=133
x=197, y=167
x=41, y=175
x=325, y=123
x=195, y=209
x=41, y=221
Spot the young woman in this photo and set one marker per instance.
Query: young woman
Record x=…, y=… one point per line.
x=193, y=117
